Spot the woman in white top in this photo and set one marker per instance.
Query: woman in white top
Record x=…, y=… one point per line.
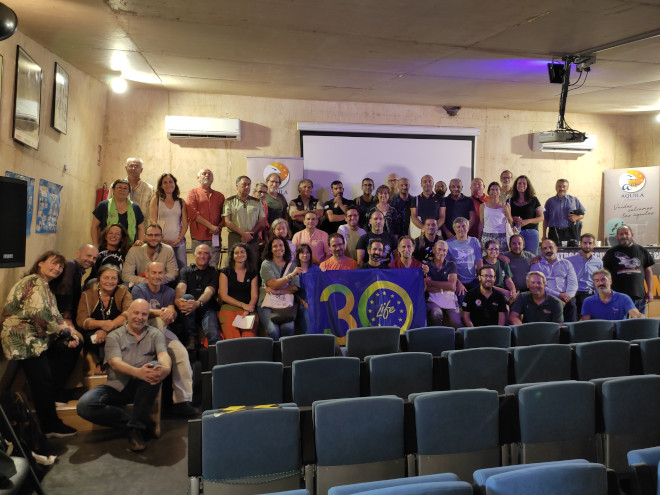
x=493, y=217
x=169, y=211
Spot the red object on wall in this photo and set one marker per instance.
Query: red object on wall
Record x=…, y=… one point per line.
x=102, y=193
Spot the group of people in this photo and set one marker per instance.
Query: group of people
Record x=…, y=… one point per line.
x=142, y=306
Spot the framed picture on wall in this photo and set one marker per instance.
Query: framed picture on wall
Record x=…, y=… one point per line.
x=60, y=99
x=27, y=99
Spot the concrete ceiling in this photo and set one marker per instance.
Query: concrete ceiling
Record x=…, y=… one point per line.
x=468, y=53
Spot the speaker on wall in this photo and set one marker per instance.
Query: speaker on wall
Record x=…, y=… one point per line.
x=13, y=205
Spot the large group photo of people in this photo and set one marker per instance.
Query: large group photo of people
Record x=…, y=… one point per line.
x=134, y=301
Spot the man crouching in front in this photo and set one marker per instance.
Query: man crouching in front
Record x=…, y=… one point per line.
x=138, y=359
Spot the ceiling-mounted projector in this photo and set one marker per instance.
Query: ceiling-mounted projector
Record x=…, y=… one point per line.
x=562, y=136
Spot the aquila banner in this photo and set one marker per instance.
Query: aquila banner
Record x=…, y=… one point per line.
x=343, y=299
x=631, y=198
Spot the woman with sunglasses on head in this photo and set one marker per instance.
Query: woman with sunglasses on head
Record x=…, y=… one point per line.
x=169, y=211
x=503, y=276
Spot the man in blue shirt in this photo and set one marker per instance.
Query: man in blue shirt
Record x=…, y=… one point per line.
x=465, y=252
x=585, y=264
x=607, y=304
x=561, y=216
x=561, y=278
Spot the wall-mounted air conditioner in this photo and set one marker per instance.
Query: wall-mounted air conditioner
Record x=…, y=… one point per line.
x=586, y=146
x=202, y=128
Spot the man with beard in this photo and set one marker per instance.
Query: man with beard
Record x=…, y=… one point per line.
x=402, y=202
x=560, y=276
x=365, y=201
x=482, y=305
x=506, y=177
x=585, y=265
x=351, y=231
x=375, y=252
x=607, y=304
x=440, y=188
x=204, y=206
x=535, y=304
x=138, y=258
x=630, y=266
x=70, y=289
x=377, y=222
x=457, y=205
x=338, y=261
x=305, y=202
x=426, y=240
x=335, y=209
x=316, y=239
x=519, y=261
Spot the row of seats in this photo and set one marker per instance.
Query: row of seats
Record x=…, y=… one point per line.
x=403, y=373
x=342, y=441
x=362, y=342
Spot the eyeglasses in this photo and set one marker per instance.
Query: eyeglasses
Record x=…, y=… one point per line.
x=133, y=165
x=487, y=276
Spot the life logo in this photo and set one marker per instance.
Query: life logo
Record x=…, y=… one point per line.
x=280, y=169
x=632, y=181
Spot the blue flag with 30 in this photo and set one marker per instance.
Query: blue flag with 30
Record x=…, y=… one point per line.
x=343, y=299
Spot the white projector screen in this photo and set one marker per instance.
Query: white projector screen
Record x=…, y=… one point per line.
x=351, y=152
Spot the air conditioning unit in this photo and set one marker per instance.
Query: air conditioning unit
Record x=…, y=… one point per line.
x=586, y=146
x=202, y=128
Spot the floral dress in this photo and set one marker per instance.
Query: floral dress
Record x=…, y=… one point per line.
x=30, y=319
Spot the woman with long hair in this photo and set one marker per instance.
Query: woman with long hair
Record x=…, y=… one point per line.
x=503, y=276
x=113, y=246
x=527, y=212
x=35, y=334
x=101, y=310
x=279, y=277
x=493, y=217
x=280, y=228
x=238, y=288
x=169, y=211
x=393, y=221
x=304, y=260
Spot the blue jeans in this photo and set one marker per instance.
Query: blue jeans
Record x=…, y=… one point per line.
x=274, y=331
x=103, y=405
x=208, y=318
x=531, y=237
x=640, y=304
x=181, y=255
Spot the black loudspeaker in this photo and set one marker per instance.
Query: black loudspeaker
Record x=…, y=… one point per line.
x=13, y=209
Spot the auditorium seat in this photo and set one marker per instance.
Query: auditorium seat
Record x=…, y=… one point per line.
x=247, y=384
x=645, y=463
x=358, y=440
x=631, y=408
x=637, y=328
x=542, y=363
x=251, y=451
x=296, y=347
x=486, y=336
x=590, y=330
x=486, y=367
x=534, y=333
x=431, y=339
x=397, y=482
x=400, y=374
x=557, y=421
x=650, y=351
x=602, y=359
x=481, y=475
x=369, y=341
x=456, y=431
x=325, y=378
x=551, y=479
x=244, y=350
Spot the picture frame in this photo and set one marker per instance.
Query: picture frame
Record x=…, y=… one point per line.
x=60, y=99
x=27, y=99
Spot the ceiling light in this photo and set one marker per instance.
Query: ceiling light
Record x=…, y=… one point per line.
x=118, y=85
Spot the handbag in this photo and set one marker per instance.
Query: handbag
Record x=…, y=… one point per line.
x=444, y=299
x=282, y=305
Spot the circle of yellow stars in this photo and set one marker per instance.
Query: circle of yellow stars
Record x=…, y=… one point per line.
x=401, y=311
